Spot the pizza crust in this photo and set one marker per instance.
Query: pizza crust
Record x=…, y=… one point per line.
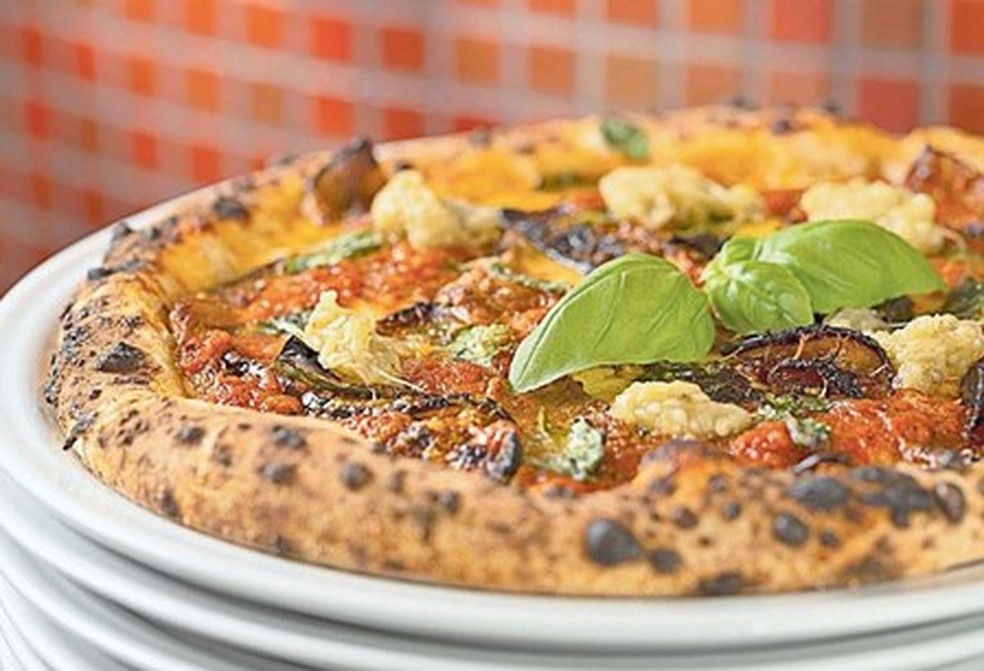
x=312, y=491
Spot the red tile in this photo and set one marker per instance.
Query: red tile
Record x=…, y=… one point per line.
x=266, y=103
x=202, y=89
x=333, y=116
x=708, y=84
x=637, y=12
x=967, y=26
x=551, y=70
x=32, y=46
x=802, y=20
x=144, y=148
x=41, y=191
x=890, y=103
x=892, y=23
x=36, y=119
x=717, y=16
x=631, y=81
x=564, y=7
x=476, y=60
x=264, y=25
x=141, y=75
x=94, y=207
x=85, y=61
x=400, y=123
x=466, y=122
x=206, y=163
x=965, y=107
x=199, y=16
x=401, y=48
x=331, y=38
x=139, y=10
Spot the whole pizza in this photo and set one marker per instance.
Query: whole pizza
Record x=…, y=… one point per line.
x=714, y=351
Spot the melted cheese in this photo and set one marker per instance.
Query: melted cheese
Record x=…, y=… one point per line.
x=408, y=206
x=347, y=343
x=676, y=194
x=933, y=352
x=909, y=215
x=678, y=409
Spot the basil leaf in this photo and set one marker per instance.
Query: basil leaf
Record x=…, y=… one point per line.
x=849, y=263
x=755, y=296
x=634, y=309
x=626, y=138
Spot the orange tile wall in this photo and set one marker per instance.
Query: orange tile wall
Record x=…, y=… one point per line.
x=107, y=106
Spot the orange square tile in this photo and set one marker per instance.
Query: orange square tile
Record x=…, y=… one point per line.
x=566, y=7
x=717, y=16
x=478, y=3
x=706, y=84
x=331, y=38
x=85, y=61
x=199, y=16
x=41, y=191
x=400, y=123
x=206, y=163
x=139, y=10
x=966, y=22
x=889, y=103
x=202, y=89
x=32, y=45
x=802, y=20
x=333, y=116
x=36, y=119
x=631, y=82
x=639, y=12
x=143, y=146
x=965, y=107
x=476, y=60
x=466, y=122
x=87, y=135
x=141, y=75
x=266, y=103
x=798, y=88
x=264, y=25
x=401, y=48
x=551, y=70
x=892, y=23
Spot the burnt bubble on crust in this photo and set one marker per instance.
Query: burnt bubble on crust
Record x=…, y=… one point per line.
x=284, y=436
x=355, y=476
x=227, y=207
x=609, y=542
x=189, y=434
x=728, y=582
x=900, y=493
x=123, y=358
x=950, y=500
x=277, y=472
x=790, y=530
x=819, y=492
x=665, y=560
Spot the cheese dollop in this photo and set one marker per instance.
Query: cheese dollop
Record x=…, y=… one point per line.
x=348, y=345
x=676, y=194
x=678, y=409
x=406, y=205
x=933, y=352
x=909, y=215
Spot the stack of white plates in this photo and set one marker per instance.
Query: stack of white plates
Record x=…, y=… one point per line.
x=91, y=581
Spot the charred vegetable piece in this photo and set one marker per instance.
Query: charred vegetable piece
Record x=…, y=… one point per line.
x=720, y=381
x=299, y=363
x=972, y=396
x=625, y=137
x=823, y=361
x=566, y=235
x=349, y=246
x=966, y=301
x=956, y=187
x=348, y=182
x=495, y=449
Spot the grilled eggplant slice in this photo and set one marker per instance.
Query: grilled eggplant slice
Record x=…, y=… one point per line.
x=346, y=183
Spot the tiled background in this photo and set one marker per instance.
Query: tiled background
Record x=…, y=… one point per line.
x=109, y=105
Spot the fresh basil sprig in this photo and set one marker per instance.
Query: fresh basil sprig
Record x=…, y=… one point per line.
x=635, y=309
x=626, y=138
x=777, y=281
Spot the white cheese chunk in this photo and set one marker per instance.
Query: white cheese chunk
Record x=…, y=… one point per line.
x=408, y=206
x=933, y=352
x=348, y=345
x=661, y=196
x=678, y=409
x=909, y=215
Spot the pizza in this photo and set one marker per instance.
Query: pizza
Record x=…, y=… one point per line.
x=712, y=351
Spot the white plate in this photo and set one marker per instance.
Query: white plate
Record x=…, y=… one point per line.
x=32, y=456
x=15, y=653
x=325, y=645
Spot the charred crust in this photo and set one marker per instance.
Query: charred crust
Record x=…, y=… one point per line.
x=665, y=560
x=123, y=358
x=284, y=436
x=355, y=476
x=731, y=510
x=819, y=492
x=448, y=500
x=281, y=546
x=222, y=455
x=729, y=582
x=609, y=542
x=684, y=518
x=189, y=434
x=277, y=472
x=829, y=539
x=164, y=498
x=226, y=207
x=900, y=494
x=950, y=500
x=815, y=459
x=120, y=231
x=790, y=530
